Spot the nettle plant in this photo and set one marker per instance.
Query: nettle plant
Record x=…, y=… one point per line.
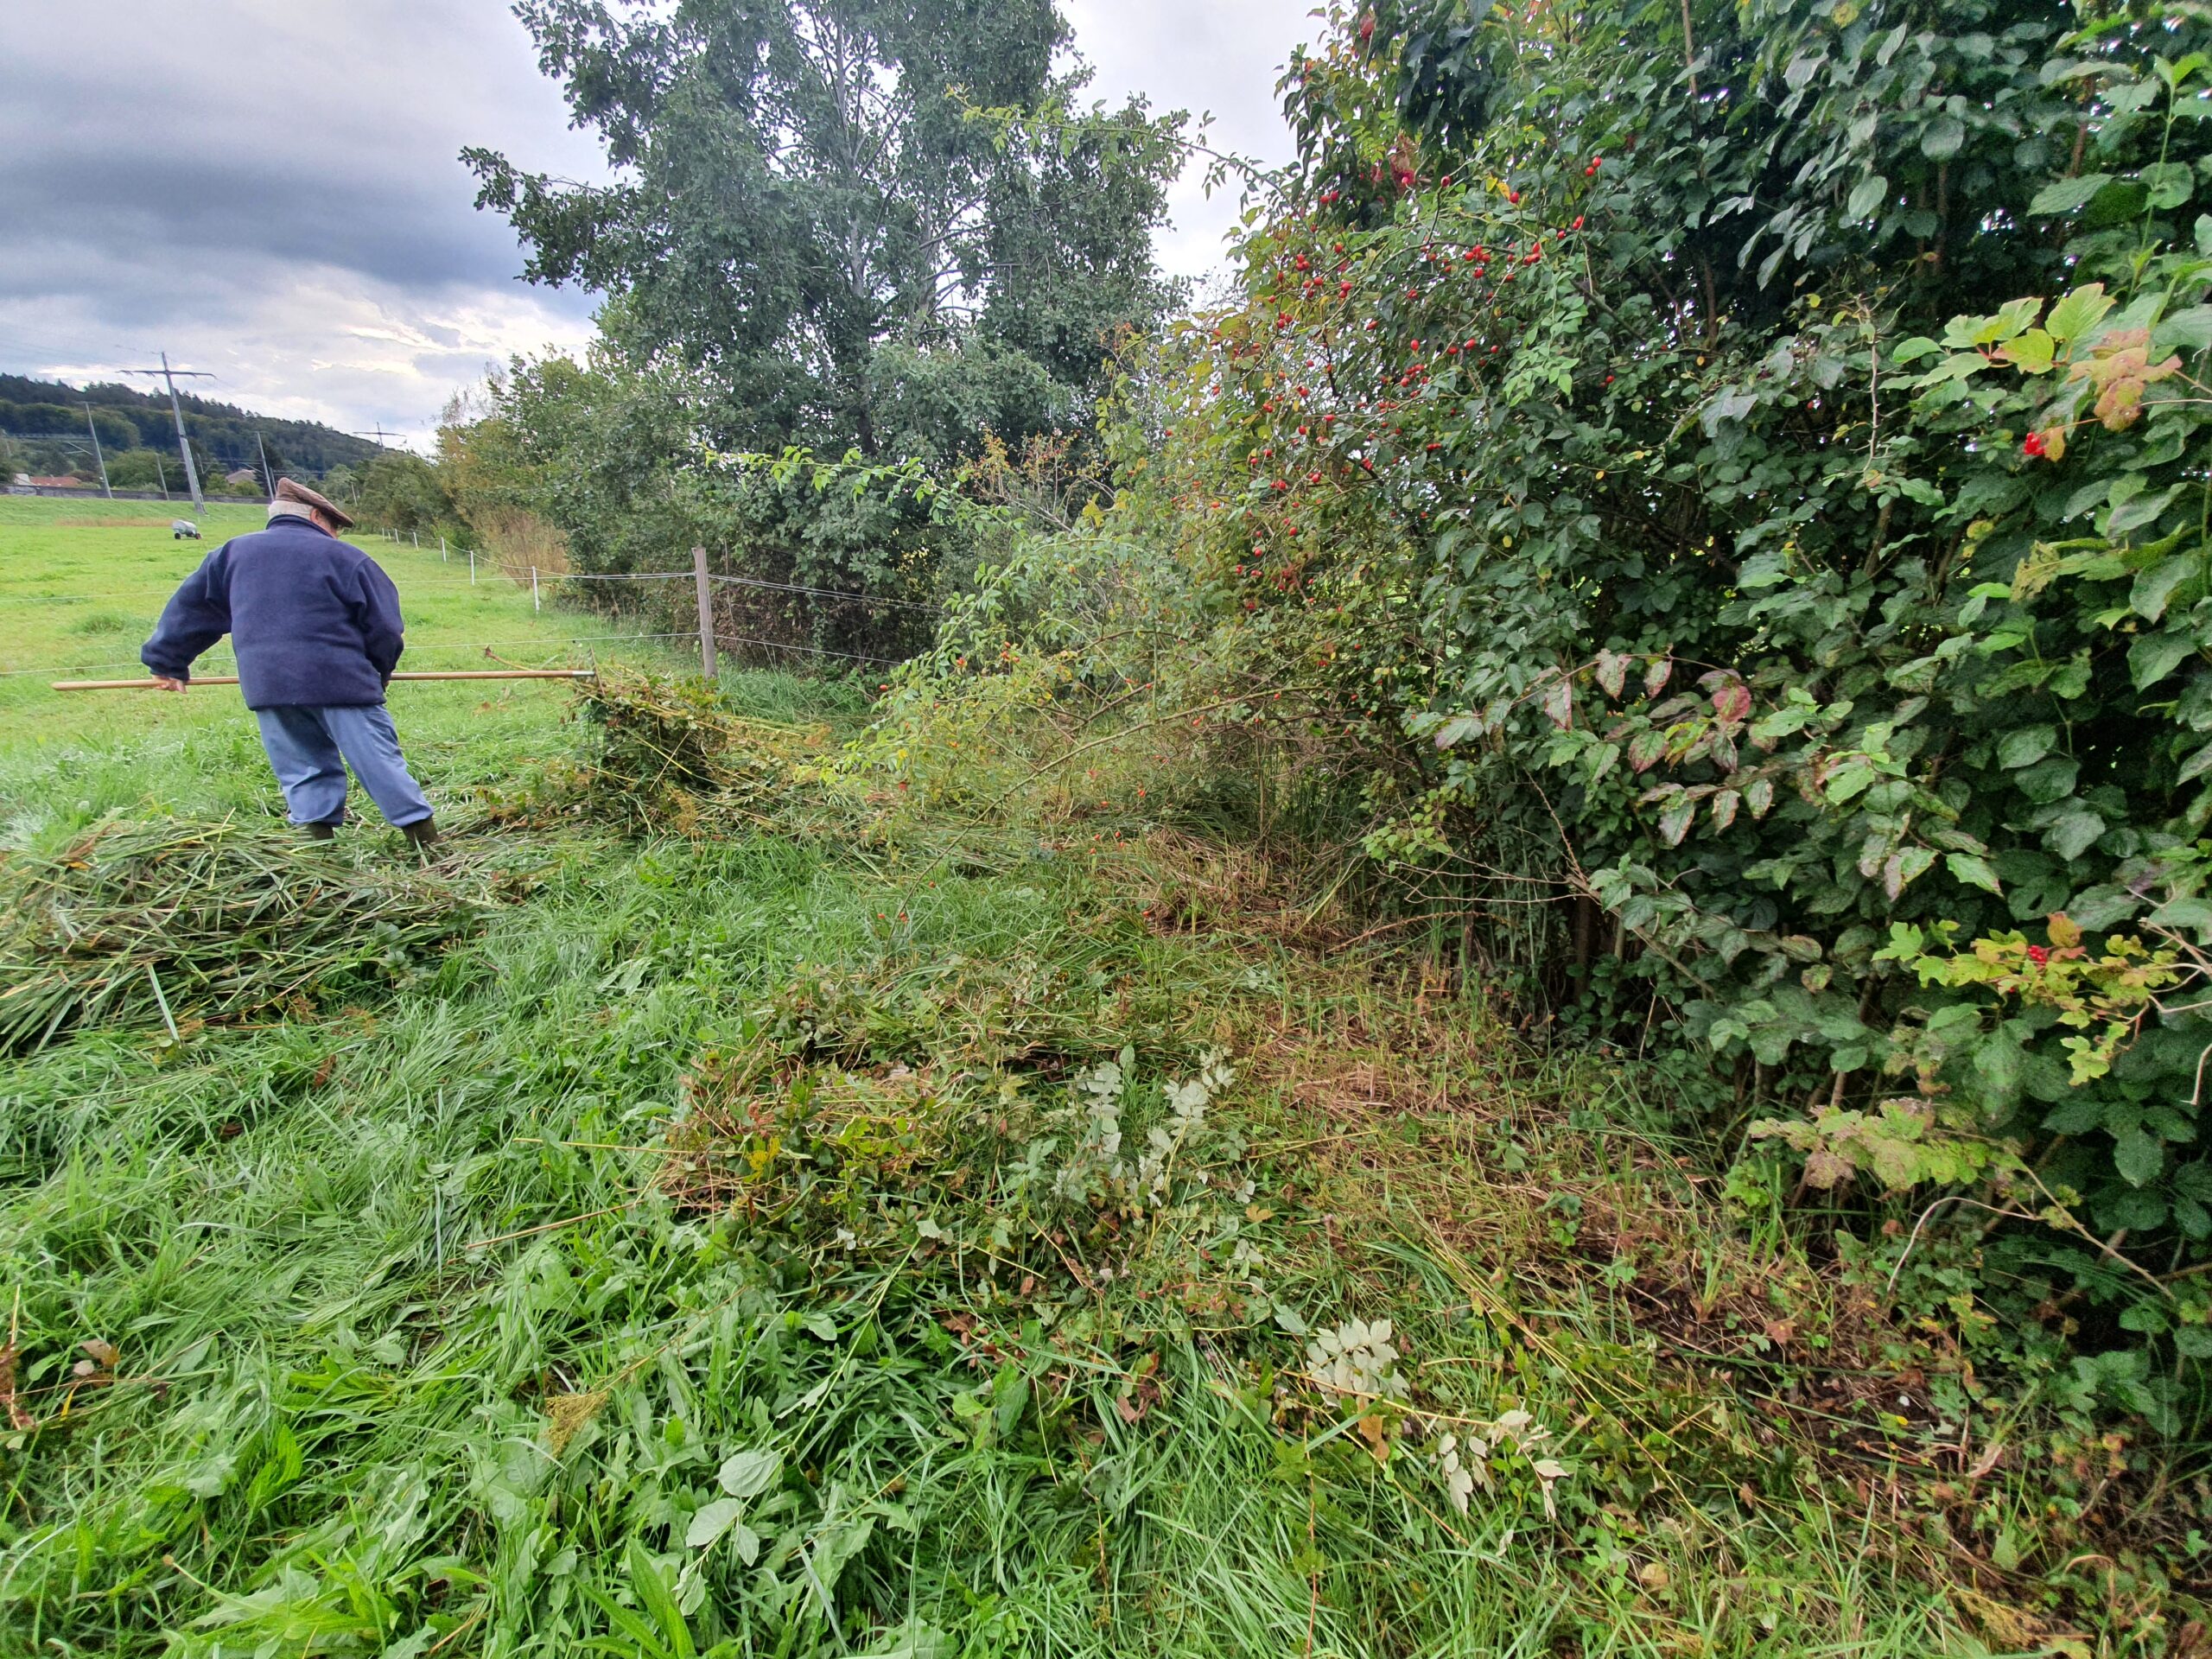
x=1749, y=490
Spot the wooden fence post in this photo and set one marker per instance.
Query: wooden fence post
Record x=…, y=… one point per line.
x=706, y=612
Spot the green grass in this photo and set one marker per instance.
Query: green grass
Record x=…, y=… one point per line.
x=81, y=586
x=436, y=1314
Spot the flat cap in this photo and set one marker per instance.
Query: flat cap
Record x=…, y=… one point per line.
x=292, y=490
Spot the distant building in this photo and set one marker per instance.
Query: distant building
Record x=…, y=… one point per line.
x=244, y=475
x=63, y=482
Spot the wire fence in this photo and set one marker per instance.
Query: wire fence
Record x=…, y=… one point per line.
x=708, y=633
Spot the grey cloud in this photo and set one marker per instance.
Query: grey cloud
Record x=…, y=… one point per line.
x=154, y=148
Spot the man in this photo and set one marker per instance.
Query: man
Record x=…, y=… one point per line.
x=316, y=627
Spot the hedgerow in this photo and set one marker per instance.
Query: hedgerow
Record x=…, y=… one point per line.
x=1735, y=477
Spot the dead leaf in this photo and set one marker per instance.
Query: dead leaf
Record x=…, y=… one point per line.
x=102, y=1354
x=1376, y=1430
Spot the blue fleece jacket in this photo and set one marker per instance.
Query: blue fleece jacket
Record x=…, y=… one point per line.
x=313, y=620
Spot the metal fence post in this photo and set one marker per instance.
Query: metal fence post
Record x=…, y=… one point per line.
x=472, y=567
x=442, y=556
x=706, y=612
x=534, y=604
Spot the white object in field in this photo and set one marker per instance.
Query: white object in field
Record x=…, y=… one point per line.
x=181, y=530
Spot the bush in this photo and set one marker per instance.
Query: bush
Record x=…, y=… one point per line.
x=1745, y=493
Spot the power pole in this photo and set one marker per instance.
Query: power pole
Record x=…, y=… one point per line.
x=97, y=456
x=183, y=443
x=268, y=477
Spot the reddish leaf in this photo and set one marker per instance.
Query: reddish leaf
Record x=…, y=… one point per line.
x=1723, y=808
x=1655, y=674
x=1559, y=704
x=1644, y=750
x=1732, y=702
x=1613, y=671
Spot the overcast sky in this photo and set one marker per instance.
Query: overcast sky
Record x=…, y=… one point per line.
x=269, y=190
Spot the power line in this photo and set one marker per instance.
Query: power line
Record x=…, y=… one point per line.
x=92, y=429
x=183, y=443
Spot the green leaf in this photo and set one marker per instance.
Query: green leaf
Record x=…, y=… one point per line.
x=2065, y=196
x=2137, y=1156
x=2048, y=780
x=2154, y=656
x=2026, y=745
x=2013, y=318
x=2189, y=330
x=2140, y=511
x=2185, y=916
x=1999, y=1061
x=748, y=1474
x=2075, y=833
x=1866, y=196
x=2169, y=183
x=1848, y=780
x=2154, y=586
x=711, y=1521
x=652, y=1593
x=2032, y=352
x=1943, y=138
x=1974, y=872
x=1675, y=822
x=2195, y=766
x=2078, y=313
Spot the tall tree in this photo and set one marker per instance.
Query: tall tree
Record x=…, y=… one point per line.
x=863, y=224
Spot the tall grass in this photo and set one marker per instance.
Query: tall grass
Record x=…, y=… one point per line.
x=727, y=1171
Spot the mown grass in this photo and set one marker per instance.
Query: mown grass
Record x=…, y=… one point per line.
x=431, y=1322
x=81, y=585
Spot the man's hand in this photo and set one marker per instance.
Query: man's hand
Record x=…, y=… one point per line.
x=162, y=683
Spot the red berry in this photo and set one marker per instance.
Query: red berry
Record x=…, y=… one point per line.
x=2032, y=445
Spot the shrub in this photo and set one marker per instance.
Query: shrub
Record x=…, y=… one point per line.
x=1739, y=471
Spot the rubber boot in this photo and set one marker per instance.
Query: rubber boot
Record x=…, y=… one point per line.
x=423, y=833
x=320, y=831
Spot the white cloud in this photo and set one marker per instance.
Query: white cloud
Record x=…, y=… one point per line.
x=270, y=189
x=1221, y=57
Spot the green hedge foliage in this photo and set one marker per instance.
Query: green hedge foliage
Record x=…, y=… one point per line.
x=1762, y=447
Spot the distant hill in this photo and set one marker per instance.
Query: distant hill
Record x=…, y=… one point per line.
x=127, y=418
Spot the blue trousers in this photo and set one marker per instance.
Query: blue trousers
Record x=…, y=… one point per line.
x=310, y=749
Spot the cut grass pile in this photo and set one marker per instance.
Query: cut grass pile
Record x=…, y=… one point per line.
x=745, y=1246
x=180, y=921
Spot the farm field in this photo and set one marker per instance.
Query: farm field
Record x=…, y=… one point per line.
x=81, y=585
x=678, y=1243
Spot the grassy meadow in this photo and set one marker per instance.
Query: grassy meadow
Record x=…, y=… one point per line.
x=759, y=1240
